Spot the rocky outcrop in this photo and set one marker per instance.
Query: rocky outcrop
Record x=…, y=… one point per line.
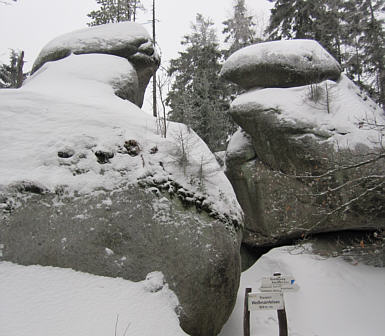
x=289, y=162
x=91, y=185
x=128, y=233
x=127, y=40
x=280, y=64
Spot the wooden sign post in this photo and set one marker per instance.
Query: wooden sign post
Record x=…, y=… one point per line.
x=270, y=298
x=246, y=315
x=282, y=322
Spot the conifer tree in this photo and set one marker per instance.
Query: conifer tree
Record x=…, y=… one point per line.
x=197, y=96
x=372, y=42
x=111, y=11
x=239, y=29
x=11, y=75
x=308, y=19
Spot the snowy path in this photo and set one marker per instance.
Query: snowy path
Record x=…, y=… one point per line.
x=335, y=298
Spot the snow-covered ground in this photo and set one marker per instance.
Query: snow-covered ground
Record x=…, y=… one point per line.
x=335, y=298
x=42, y=301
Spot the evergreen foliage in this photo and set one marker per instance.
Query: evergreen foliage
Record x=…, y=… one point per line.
x=239, y=29
x=350, y=30
x=198, y=97
x=372, y=42
x=11, y=75
x=308, y=19
x=111, y=11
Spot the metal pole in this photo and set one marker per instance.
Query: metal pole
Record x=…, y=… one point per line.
x=246, y=314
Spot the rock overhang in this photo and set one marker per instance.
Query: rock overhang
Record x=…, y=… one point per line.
x=280, y=64
x=128, y=40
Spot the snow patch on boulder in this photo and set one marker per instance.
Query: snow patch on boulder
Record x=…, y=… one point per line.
x=340, y=117
x=66, y=106
x=124, y=38
x=280, y=64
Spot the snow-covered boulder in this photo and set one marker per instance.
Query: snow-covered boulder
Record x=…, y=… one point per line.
x=126, y=39
x=300, y=132
x=280, y=64
x=88, y=183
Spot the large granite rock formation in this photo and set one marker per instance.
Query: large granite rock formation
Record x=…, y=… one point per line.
x=89, y=183
x=127, y=40
x=289, y=161
x=280, y=64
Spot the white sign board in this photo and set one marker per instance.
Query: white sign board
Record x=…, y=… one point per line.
x=1, y=249
x=265, y=301
x=278, y=283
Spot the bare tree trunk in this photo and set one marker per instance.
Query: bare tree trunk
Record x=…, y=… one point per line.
x=20, y=64
x=154, y=105
x=134, y=7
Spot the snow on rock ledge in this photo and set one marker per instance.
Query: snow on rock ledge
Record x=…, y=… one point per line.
x=280, y=64
x=66, y=118
x=338, y=117
x=87, y=182
x=125, y=39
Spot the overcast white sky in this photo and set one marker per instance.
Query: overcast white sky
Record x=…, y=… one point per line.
x=30, y=24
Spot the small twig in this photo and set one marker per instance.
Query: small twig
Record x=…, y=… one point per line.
x=338, y=169
x=345, y=205
x=116, y=324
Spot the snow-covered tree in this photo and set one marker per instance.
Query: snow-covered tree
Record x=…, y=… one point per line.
x=198, y=97
x=372, y=42
x=239, y=29
x=351, y=30
x=308, y=19
x=114, y=11
x=11, y=75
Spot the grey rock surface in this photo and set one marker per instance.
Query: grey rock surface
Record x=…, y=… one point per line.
x=280, y=64
x=288, y=162
x=280, y=208
x=129, y=233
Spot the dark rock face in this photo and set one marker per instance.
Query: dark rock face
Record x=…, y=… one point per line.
x=134, y=45
x=280, y=208
x=130, y=233
x=280, y=64
x=278, y=162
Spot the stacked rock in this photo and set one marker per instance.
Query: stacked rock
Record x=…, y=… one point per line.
x=128, y=40
x=280, y=64
x=297, y=115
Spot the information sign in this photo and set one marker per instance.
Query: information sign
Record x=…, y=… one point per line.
x=277, y=283
x=265, y=301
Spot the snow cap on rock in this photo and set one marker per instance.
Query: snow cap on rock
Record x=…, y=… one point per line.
x=124, y=39
x=280, y=64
